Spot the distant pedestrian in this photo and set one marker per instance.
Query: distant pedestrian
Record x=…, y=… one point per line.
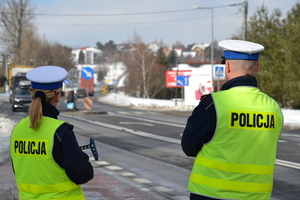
x=233, y=133
x=72, y=100
x=46, y=157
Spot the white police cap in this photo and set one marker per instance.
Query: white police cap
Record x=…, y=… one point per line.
x=47, y=77
x=241, y=50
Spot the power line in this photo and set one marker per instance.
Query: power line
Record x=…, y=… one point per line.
x=135, y=23
x=114, y=14
x=122, y=14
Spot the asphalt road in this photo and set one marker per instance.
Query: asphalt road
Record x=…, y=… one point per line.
x=147, y=143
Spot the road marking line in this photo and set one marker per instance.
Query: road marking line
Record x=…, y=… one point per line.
x=288, y=164
x=127, y=174
x=120, y=128
x=153, y=121
x=162, y=189
x=176, y=141
x=114, y=168
x=182, y=197
x=141, y=123
x=101, y=163
x=292, y=135
x=141, y=180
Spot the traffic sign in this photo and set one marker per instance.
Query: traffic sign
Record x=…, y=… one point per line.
x=182, y=80
x=104, y=89
x=66, y=81
x=87, y=73
x=219, y=71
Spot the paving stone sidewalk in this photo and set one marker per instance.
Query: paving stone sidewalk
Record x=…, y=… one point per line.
x=105, y=185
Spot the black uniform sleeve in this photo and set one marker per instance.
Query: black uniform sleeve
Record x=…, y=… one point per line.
x=200, y=127
x=69, y=156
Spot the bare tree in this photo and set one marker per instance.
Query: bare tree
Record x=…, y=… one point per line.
x=30, y=47
x=145, y=76
x=157, y=80
x=16, y=17
x=140, y=63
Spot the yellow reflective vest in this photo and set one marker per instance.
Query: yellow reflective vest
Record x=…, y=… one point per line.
x=38, y=176
x=239, y=161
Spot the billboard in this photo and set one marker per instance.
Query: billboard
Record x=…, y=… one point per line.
x=173, y=78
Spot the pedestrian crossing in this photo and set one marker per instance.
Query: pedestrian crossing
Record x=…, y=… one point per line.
x=165, y=191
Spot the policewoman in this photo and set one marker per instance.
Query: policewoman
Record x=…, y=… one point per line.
x=46, y=157
x=233, y=133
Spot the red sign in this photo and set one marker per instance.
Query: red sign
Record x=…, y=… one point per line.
x=171, y=77
x=87, y=84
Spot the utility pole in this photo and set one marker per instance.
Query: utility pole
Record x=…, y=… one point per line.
x=245, y=20
x=244, y=27
x=245, y=3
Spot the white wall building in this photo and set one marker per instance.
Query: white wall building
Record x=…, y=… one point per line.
x=200, y=81
x=115, y=74
x=91, y=55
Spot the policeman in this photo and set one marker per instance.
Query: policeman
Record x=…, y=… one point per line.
x=233, y=133
x=47, y=160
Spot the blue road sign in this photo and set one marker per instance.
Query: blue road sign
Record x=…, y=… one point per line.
x=87, y=73
x=182, y=80
x=66, y=81
x=219, y=71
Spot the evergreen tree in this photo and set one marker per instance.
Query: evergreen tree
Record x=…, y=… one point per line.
x=99, y=46
x=161, y=57
x=172, y=59
x=268, y=30
x=81, y=58
x=292, y=52
x=109, y=50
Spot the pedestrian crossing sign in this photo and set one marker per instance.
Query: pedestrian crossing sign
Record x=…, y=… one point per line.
x=219, y=71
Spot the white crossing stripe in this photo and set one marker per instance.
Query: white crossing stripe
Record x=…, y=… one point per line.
x=114, y=168
x=141, y=180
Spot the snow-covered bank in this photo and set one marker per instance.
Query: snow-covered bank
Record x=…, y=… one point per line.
x=6, y=126
x=291, y=117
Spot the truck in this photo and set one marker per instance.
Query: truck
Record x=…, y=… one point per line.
x=16, y=74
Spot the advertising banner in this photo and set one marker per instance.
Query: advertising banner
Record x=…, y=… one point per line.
x=174, y=78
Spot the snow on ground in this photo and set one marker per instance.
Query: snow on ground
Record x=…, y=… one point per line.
x=6, y=126
x=121, y=99
x=291, y=117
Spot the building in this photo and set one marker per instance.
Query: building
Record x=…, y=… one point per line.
x=89, y=55
x=201, y=79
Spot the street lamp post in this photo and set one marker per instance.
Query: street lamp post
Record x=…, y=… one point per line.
x=212, y=43
x=245, y=3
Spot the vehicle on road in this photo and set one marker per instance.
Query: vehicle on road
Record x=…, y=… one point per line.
x=81, y=93
x=21, y=98
x=91, y=93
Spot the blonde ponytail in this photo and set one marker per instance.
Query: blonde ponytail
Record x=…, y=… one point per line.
x=35, y=112
x=36, y=107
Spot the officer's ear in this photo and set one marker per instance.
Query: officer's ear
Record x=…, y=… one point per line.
x=258, y=66
x=56, y=98
x=227, y=66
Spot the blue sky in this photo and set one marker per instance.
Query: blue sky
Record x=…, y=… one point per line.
x=67, y=21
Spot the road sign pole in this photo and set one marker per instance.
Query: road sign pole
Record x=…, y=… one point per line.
x=218, y=83
x=219, y=72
